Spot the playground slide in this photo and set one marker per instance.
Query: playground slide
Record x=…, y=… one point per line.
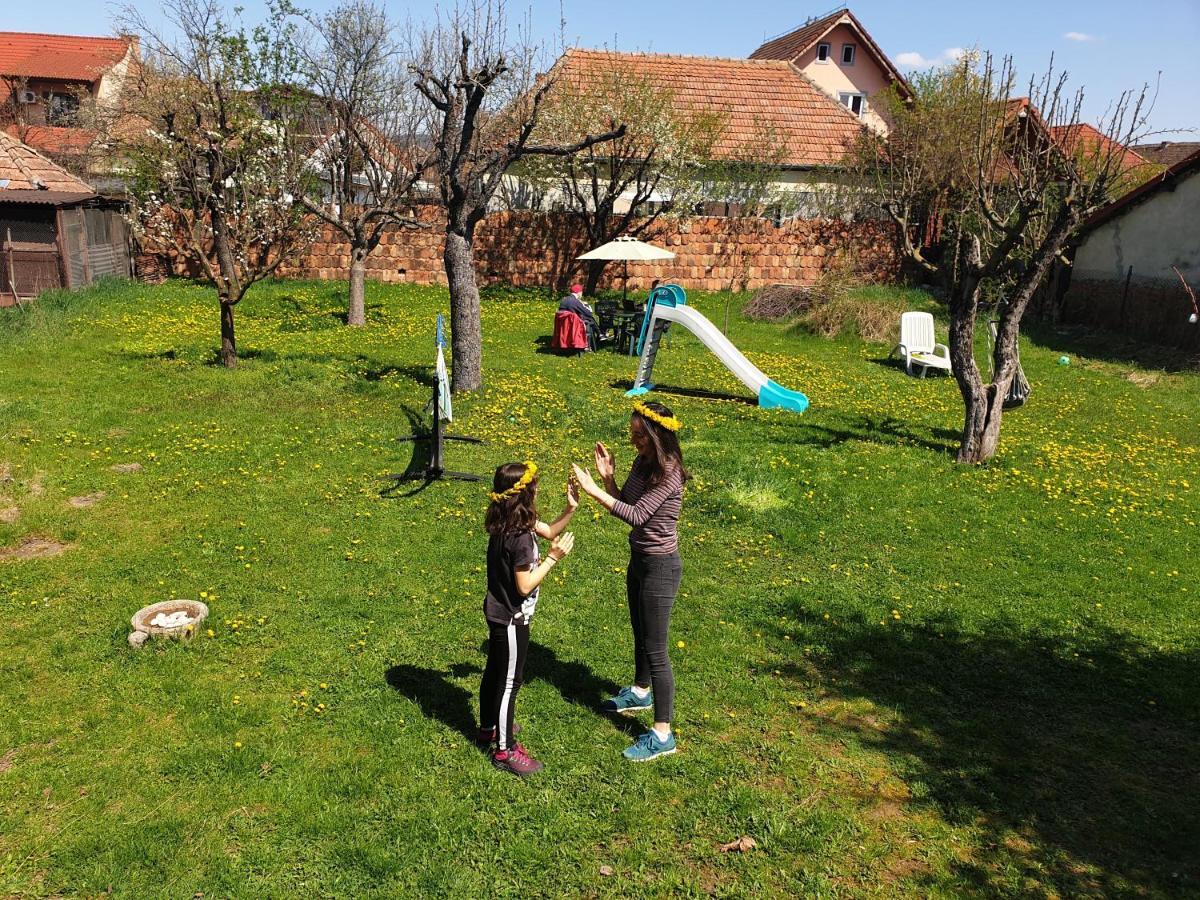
x=770, y=395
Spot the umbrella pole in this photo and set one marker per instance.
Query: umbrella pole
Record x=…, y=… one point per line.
x=626, y=282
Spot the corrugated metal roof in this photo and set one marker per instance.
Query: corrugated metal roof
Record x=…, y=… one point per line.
x=46, y=198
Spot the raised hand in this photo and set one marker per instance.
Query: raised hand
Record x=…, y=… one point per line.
x=563, y=544
x=604, y=461
x=584, y=479
x=572, y=491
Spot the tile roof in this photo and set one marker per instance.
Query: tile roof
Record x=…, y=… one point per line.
x=27, y=170
x=60, y=56
x=754, y=98
x=1167, y=153
x=1091, y=140
x=53, y=139
x=791, y=45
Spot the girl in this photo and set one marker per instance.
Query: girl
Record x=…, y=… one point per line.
x=649, y=502
x=513, y=576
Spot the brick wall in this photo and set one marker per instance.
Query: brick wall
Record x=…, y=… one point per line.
x=1155, y=310
x=532, y=249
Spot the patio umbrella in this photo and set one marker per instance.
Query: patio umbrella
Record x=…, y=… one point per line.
x=626, y=248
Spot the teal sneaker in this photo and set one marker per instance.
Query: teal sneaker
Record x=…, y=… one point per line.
x=649, y=746
x=627, y=701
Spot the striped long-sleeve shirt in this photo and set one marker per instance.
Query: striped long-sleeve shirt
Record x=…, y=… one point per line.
x=653, y=512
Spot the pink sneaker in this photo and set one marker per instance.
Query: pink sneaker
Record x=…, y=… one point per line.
x=516, y=761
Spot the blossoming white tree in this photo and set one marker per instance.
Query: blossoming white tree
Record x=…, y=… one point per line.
x=218, y=171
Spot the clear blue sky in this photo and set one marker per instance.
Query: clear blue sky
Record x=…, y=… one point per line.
x=1106, y=45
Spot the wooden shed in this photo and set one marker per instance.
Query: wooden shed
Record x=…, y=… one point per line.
x=55, y=231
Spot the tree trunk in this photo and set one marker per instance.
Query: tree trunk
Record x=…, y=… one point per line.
x=229, y=357
x=594, y=270
x=356, y=310
x=466, y=336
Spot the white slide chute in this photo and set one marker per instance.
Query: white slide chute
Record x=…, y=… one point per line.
x=668, y=304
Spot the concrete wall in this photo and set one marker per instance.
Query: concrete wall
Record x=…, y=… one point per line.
x=1152, y=236
x=865, y=76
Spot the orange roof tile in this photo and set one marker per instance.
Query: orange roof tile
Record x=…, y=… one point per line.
x=754, y=98
x=60, y=56
x=1088, y=139
x=53, y=139
x=27, y=170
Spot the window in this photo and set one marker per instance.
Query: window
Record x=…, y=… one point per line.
x=856, y=103
x=822, y=53
x=847, y=54
x=61, y=109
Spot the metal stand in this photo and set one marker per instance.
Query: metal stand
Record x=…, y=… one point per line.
x=436, y=471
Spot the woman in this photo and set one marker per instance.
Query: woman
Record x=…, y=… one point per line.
x=649, y=502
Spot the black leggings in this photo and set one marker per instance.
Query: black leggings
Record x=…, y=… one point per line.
x=502, y=679
x=652, y=583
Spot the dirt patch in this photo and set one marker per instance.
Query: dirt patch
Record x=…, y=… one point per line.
x=6, y=761
x=34, y=485
x=33, y=548
x=127, y=468
x=86, y=500
x=5, y=473
x=118, y=432
x=9, y=514
x=900, y=869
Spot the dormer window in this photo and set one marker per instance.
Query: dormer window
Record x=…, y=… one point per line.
x=847, y=54
x=856, y=103
x=822, y=53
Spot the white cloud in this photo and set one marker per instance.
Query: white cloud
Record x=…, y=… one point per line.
x=913, y=60
x=1079, y=36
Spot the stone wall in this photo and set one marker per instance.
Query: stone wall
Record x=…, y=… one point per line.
x=711, y=253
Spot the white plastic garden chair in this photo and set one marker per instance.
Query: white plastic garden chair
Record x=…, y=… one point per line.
x=918, y=344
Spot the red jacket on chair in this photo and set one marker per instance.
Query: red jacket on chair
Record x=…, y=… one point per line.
x=569, y=332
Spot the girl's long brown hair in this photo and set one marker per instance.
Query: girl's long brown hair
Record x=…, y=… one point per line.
x=665, y=443
x=512, y=514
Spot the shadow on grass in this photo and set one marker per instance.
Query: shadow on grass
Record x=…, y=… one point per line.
x=844, y=428
x=624, y=384
x=1076, y=781
x=1109, y=347
x=439, y=697
x=414, y=478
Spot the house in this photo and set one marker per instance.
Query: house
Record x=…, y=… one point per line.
x=765, y=110
x=837, y=54
x=55, y=231
x=1125, y=268
x=1167, y=153
x=58, y=93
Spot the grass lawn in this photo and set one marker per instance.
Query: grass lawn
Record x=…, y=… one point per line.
x=901, y=677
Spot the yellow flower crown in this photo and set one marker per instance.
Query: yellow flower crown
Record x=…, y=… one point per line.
x=522, y=483
x=668, y=422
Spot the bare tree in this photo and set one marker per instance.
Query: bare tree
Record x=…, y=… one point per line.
x=369, y=158
x=483, y=103
x=986, y=199
x=218, y=170
x=623, y=186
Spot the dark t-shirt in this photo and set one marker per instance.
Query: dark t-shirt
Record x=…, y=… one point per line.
x=507, y=555
x=577, y=306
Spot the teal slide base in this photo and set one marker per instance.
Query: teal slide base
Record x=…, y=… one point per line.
x=775, y=396
x=638, y=391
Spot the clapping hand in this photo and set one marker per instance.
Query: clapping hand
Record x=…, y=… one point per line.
x=584, y=479
x=604, y=461
x=572, y=492
x=562, y=545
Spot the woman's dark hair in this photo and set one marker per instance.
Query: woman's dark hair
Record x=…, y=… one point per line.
x=667, y=454
x=516, y=513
